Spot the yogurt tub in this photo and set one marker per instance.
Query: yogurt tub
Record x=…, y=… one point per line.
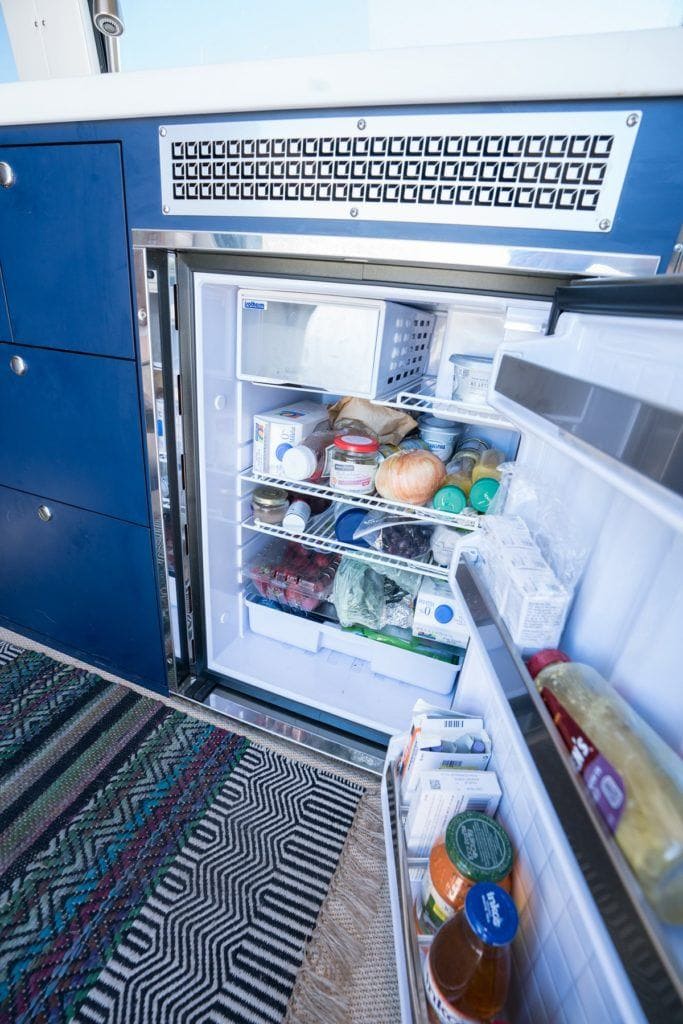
x=471, y=376
x=439, y=435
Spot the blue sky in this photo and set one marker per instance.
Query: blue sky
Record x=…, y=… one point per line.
x=8, y=71
x=182, y=32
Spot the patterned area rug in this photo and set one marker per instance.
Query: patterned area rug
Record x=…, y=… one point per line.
x=153, y=868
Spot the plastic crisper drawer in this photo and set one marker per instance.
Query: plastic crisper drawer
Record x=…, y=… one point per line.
x=565, y=967
x=365, y=347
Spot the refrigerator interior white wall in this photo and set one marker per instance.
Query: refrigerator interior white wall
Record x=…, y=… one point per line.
x=626, y=617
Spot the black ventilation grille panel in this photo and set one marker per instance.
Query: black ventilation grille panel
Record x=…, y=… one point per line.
x=559, y=171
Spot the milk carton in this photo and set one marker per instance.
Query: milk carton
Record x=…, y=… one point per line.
x=280, y=429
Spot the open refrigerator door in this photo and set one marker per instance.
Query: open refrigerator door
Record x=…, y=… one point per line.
x=601, y=452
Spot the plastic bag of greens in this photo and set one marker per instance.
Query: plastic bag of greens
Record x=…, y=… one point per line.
x=358, y=594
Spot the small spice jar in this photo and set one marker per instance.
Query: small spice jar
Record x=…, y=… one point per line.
x=353, y=463
x=269, y=505
x=475, y=849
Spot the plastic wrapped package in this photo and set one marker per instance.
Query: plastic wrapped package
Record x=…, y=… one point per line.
x=358, y=594
x=294, y=576
x=364, y=597
x=554, y=531
x=395, y=536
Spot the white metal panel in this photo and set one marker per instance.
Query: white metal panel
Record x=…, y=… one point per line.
x=617, y=64
x=555, y=170
x=51, y=38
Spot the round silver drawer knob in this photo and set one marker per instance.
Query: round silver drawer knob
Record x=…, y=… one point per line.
x=7, y=177
x=18, y=365
x=45, y=513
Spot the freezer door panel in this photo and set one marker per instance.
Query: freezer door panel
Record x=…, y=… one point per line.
x=607, y=388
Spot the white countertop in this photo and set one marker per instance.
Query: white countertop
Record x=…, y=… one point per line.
x=608, y=65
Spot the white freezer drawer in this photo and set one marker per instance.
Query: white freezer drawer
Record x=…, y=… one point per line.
x=366, y=347
x=565, y=964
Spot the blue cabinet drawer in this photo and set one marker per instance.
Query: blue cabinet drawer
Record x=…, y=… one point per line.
x=70, y=429
x=64, y=248
x=82, y=580
x=5, y=333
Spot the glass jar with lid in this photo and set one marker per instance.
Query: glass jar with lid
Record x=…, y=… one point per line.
x=353, y=463
x=269, y=504
x=474, y=849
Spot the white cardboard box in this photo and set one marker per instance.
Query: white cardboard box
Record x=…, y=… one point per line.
x=281, y=428
x=439, y=796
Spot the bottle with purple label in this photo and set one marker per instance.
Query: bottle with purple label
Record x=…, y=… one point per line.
x=634, y=778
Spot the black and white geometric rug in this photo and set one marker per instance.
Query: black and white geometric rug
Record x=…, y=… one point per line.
x=153, y=868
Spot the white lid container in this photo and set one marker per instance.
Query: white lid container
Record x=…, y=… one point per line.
x=439, y=435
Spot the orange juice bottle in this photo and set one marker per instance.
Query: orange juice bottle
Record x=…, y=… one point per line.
x=467, y=973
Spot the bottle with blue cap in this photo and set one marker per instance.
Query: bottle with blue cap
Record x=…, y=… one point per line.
x=467, y=974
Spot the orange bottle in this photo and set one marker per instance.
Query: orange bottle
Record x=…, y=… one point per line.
x=467, y=974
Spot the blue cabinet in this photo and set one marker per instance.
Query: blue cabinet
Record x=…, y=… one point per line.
x=71, y=430
x=64, y=248
x=83, y=581
x=5, y=334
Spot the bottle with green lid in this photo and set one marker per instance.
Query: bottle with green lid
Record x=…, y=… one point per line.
x=474, y=849
x=485, y=479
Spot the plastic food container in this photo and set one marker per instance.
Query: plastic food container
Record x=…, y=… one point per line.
x=471, y=376
x=353, y=463
x=294, y=576
x=269, y=505
x=439, y=435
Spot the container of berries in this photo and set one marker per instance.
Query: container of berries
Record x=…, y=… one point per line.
x=294, y=576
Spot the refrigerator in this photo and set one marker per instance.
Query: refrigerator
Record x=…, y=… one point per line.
x=586, y=398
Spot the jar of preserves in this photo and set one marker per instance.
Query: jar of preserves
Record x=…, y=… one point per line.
x=353, y=463
x=467, y=974
x=474, y=849
x=269, y=504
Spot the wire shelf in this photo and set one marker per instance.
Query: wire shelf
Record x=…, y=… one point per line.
x=425, y=400
x=320, y=534
x=371, y=502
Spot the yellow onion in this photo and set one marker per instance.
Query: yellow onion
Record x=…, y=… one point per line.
x=412, y=476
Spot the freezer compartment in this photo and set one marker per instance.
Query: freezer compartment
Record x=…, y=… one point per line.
x=565, y=965
x=364, y=347
x=607, y=390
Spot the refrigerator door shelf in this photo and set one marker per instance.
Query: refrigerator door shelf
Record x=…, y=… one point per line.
x=638, y=955
x=608, y=391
